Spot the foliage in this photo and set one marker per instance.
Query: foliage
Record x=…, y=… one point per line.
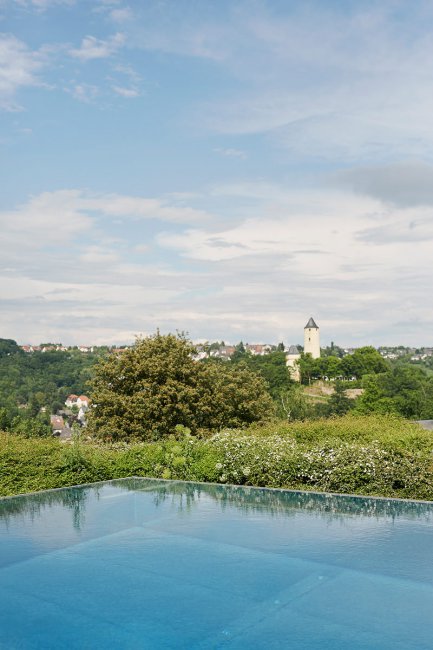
x=309, y=368
x=363, y=361
x=272, y=367
x=156, y=385
x=371, y=455
x=29, y=382
x=405, y=390
x=337, y=404
x=293, y=404
x=31, y=427
x=8, y=347
x=332, y=351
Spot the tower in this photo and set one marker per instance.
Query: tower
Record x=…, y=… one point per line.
x=292, y=362
x=312, y=339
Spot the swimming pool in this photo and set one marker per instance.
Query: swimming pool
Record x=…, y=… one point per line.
x=143, y=563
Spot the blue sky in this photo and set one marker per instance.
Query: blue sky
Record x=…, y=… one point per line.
x=223, y=168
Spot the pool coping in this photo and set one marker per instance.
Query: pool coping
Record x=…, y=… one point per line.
x=230, y=485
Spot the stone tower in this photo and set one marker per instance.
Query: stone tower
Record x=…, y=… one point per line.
x=312, y=339
x=292, y=362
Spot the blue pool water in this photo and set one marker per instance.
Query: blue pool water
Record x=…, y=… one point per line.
x=139, y=563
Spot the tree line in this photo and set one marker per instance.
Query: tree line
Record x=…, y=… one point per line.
x=155, y=386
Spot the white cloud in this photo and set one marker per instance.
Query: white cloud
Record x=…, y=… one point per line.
x=19, y=67
x=117, y=205
x=50, y=218
x=94, y=48
x=346, y=259
x=43, y=5
x=54, y=220
x=128, y=93
x=126, y=83
x=231, y=153
x=54, y=217
x=121, y=15
x=321, y=82
x=84, y=92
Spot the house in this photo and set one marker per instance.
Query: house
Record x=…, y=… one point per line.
x=71, y=400
x=78, y=400
x=258, y=349
x=57, y=424
x=223, y=352
x=199, y=356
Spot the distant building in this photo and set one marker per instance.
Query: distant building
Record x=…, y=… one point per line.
x=71, y=400
x=312, y=339
x=77, y=400
x=292, y=362
x=57, y=424
x=311, y=346
x=258, y=349
x=224, y=352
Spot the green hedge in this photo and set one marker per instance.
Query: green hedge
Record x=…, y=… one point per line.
x=372, y=455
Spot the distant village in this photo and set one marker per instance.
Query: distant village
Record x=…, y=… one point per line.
x=219, y=350
x=74, y=413
x=73, y=416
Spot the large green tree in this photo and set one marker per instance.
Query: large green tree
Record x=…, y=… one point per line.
x=156, y=385
x=405, y=390
x=364, y=361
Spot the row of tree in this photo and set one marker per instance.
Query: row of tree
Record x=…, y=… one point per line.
x=364, y=361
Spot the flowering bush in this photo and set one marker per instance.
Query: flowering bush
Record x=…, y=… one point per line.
x=364, y=455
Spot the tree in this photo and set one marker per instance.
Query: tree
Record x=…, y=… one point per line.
x=374, y=398
x=4, y=420
x=156, y=385
x=31, y=427
x=404, y=389
x=333, y=367
x=272, y=367
x=332, y=351
x=294, y=404
x=8, y=347
x=309, y=367
x=338, y=403
x=364, y=361
x=231, y=396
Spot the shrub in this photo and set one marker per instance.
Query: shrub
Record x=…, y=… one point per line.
x=383, y=456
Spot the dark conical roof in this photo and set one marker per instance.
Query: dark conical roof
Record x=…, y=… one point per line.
x=311, y=324
x=293, y=350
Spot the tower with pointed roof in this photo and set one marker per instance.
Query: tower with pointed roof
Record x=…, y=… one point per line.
x=312, y=339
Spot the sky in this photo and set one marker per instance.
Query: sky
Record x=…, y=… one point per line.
x=225, y=169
